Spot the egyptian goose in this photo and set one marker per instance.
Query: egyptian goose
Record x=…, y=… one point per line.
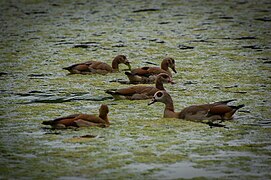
x=82, y=120
x=148, y=74
x=215, y=111
x=98, y=67
x=139, y=92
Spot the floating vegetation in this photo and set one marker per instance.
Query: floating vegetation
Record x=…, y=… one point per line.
x=221, y=51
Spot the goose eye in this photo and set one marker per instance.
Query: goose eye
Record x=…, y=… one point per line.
x=159, y=94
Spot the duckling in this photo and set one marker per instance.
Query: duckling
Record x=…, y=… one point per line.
x=92, y=67
x=139, y=92
x=82, y=120
x=145, y=75
x=215, y=111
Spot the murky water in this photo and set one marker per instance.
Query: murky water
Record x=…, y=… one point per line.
x=222, y=51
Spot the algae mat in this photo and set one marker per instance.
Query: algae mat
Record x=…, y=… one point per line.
x=222, y=51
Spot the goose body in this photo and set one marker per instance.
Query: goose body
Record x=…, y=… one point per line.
x=98, y=67
x=148, y=74
x=214, y=111
x=82, y=120
x=138, y=92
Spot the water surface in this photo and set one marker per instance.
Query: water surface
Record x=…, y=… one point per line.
x=222, y=51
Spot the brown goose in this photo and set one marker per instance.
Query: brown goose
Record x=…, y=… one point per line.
x=215, y=111
x=82, y=120
x=148, y=74
x=91, y=67
x=139, y=92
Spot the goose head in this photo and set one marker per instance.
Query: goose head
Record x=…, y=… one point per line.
x=104, y=109
x=164, y=78
x=122, y=59
x=160, y=96
x=170, y=62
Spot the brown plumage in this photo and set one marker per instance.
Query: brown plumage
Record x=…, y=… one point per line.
x=214, y=111
x=149, y=74
x=82, y=120
x=91, y=67
x=139, y=92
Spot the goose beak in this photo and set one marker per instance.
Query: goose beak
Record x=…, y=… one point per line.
x=171, y=81
x=174, y=70
x=128, y=64
x=152, y=101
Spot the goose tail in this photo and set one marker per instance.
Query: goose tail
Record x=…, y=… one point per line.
x=47, y=122
x=225, y=102
x=238, y=107
x=110, y=91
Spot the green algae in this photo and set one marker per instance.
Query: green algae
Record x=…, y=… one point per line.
x=139, y=144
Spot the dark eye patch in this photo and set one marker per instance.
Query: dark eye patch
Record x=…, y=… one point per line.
x=165, y=76
x=159, y=94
